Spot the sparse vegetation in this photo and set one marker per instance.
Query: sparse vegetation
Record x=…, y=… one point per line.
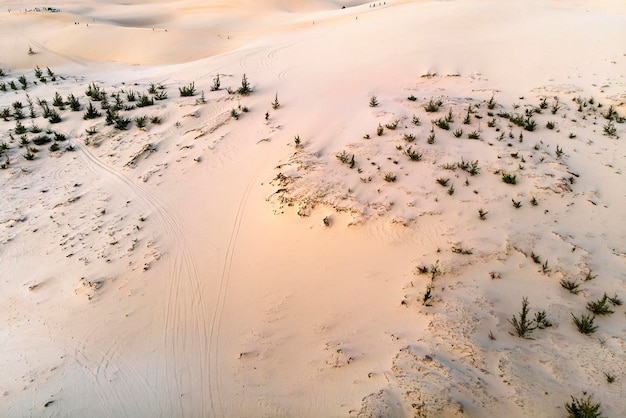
x=433, y=105
x=188, y=90
x=585, y=324
x=373, y=101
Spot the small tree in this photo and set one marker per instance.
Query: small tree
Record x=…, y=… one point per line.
x=373, y=101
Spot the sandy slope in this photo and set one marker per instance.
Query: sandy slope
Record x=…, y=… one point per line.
x=185, y=269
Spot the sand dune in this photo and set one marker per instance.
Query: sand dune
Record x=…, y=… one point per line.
x=329, y=244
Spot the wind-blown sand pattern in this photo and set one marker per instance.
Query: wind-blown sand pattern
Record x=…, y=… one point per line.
x=353, y=237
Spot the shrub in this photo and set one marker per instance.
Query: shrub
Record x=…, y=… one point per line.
x=162, y=95
x=121, y=123
x=600, y=306
x=73, y=103
x=530, y=124
x=188, y=90
x=140, y=121
x=609, y=129
x=29, y=155
x=245, y=88
x=91, y=112
x=346, y=158
x=433, y=105
x=234, y=114
x=390, y=177
x=54, y=147
x=373, y=101
x=275, y=103
x=473, y=135
x=41, y=140
x=59, y=137
x=416, y=121
x=491, y=103
x=412, y=98
x=443, y=181
x=54, y=116
x=130, y=96
x=524, y=325
x=156, y=120
x=144, y=101
x=516, y=203
x=458, y=133
x=585, y=324
x=509, y=178
x=379, y=130
x=571, y=286
x=19, y=128
x=23, y=82
x=482, y=214
x=94, y=92
x=392, y=125
x=550, y=125
x=216, y=83
x=409, y=137
x=442, y=123
x=583, y=408
x=413, y=155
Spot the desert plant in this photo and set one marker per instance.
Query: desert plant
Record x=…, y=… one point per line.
x=19, y=128
x=91, y=130
x=121, y=123
x=559, y=152
x=29, y=155
x=275, y=103
x=73, y=103
x=443, y=181
x=461, y=250
x=451, y=190
x=234, y=114
x=442, y=123
x=54, y=116
x=541, y=319
x=392, y=125
x=433, y=105
x=409, y=137
x=413, y=155
x=600, y=306
x=491, y=104
x=458, y=133
x=516, y=203
x=188, y=90
x=473, y=135
x=589, y=276
x=571, y=286
x=416, y=121
x=94, y=92
x=216, y=83
x=524, y=325
x=468, y=119
x=536, y=259
x=412, y=98
x=23, y=82
x=91, y=112
x=509, y=178
x=482, y=214
x=297, y=140
x=162, y=95
x=131, y=96
x=615, y=300
x=373, y=101
x=54, y=147
x=609, y=129
x=585, y=324
x=427, y=296
x=144, y=101
x=550, y=125
x=57, y=100
x=530, y=124
x=390, y=177
x=41, y=140
x=611, y=113
x=346, y=158
x=245, y=88
x=58, y=137
x=12, y=85
x=431, y=138
x=156, y=120
x=534, y=201
x=140, y=121
x=379, y=130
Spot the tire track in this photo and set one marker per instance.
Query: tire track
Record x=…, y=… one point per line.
x=184, y=286
x=214, y=336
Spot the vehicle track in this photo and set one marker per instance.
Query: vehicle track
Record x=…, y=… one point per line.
x=185, y=305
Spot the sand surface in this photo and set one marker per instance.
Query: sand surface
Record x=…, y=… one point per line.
x=324, y=246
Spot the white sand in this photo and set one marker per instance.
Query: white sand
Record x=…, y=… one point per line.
x=184, y=269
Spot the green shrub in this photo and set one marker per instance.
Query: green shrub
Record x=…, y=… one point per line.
x=188, y=90
x=583, y=408
x=433, y=105
x=585, y=324
x=245, y=88
x=373, y=101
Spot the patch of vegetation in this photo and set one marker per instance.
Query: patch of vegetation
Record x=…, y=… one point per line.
x=373, y=101
x=583, y=408
x=433, y=105
x=571, y=286
x=585, y=324
x=188, y=90
x=509, y=178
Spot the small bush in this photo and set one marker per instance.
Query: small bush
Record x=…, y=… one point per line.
x=550, y=125
x=245, y=88
x=509, y=178
x=275, y=103
x=121, y=123
x=524, y=325
x=91, y=112
x=54, y=116
x=188, y=90
x=473, y=135
x=413, y=155
x=571, y=286
x=583, y=408
x=409, y=137
x=442, y=123
x=443, y=181
x=390, y=177
x=373, y=101
x=585, y=324
x=600, y=306
x=433, y=105
x=392, y=125
x=140, y=121
x=216, y=83
x=416, y=121
x=458, y=133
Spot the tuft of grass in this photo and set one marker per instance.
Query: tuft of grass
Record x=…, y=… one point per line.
x=473, y=135
x=433, y=105
x=413, y=155
x=600, y=306
x=443, y=181
x=140, y=121
x=390, y=177
x=571, y=286
x=585, y=324
x=188, y=90
x=516, y=203
x=583, y=408
x=509, y=178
